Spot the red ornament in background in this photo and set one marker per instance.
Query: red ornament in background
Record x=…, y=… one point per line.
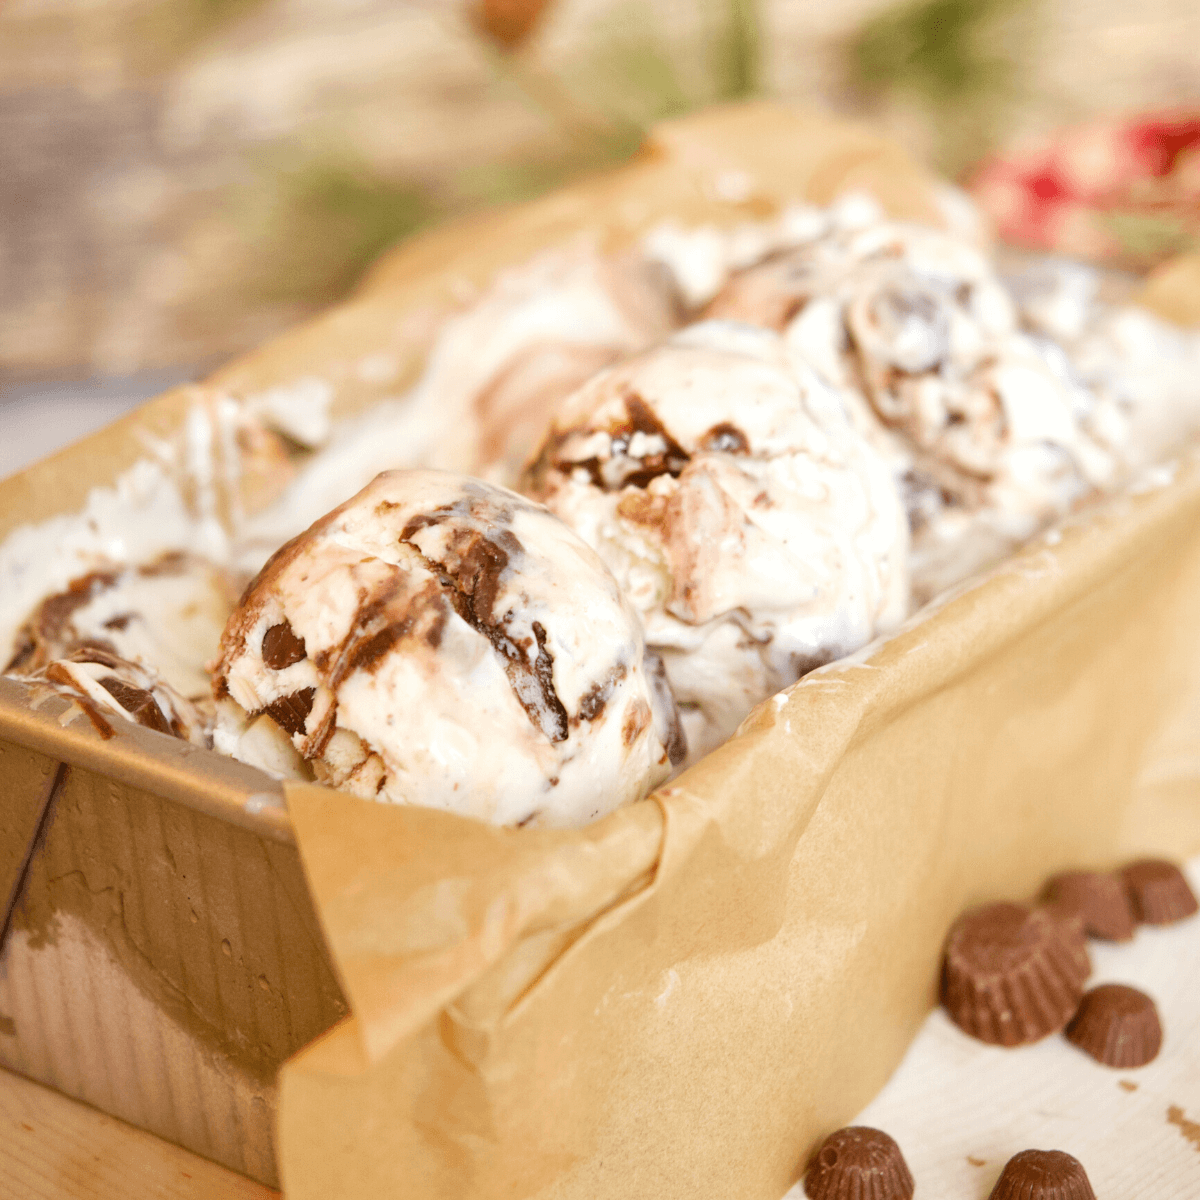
x=508, y=23
x=1125, y=191
x=1160, y=143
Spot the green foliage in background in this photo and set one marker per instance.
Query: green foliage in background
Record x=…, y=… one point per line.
x=959, y=58
x=1150, y=237
x=631, y=77
x=736, y=50
x=328, y=219
x=939, y=48
x=633, y=68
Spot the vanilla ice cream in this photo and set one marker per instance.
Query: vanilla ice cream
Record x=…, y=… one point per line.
x=1142, y=367
x=494, y=373
x=991, y=430
x=500, y=367
x=757, y=532
x=105, y=685
x=441, y=641
x=166, y=615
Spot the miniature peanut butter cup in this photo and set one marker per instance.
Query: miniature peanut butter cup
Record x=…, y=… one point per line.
x=1158, y=891
x=1012, y=974
x=1100, y=901
x=1117, y=1025
x=858, y=1162
x=1043, y=1175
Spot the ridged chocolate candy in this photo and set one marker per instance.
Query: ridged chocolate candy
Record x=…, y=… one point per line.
x=858, y=1163
x=1158, y=891
x=1098, y=898
x=1012, y=974
x=1043, y=1175
x=1117, y=1025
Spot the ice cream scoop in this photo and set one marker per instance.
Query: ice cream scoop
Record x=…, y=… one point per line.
x=499, y=368
x=991, y=429
x=166, y=614
x=441, y=641
x=494, y=373
x=1140, y=367
x=105, y=685
x=757, y=532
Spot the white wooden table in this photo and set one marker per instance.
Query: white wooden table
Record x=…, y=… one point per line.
x=53, y=1148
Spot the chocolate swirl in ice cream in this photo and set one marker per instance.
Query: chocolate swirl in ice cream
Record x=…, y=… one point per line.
x=441, y=641
x=755, y=530
x=499, y=368
x=991, y=429
x=166, y=614
x=105, y=685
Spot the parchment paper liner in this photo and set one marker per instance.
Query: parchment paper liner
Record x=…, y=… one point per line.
x=684, y=998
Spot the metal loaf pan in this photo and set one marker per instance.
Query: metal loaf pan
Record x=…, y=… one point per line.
x=162, y=956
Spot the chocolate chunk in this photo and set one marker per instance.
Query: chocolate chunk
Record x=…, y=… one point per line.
x=24, y=651
x=640, y=418
x=858, y=1162
x=56, y=612
x=726, y=438
x=471, y=570
x=1158, y=891
x=676, y=738
x=550, y=716
x=368, y=652
x=137, y=702
x=1098, y=899
x=173, y=562
x=48, y=633
x=1012, y=974
x=1117, y=1025
x=637, y=717
x=291, y=712
x=592, y=703
x=57, y=673
x=478, y=563
x=281, y=647
x=643, y=419
x=99, y=723
x=594, y=700
x=102, y=653
x=1043, y=1175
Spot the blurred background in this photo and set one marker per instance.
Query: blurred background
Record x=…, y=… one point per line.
x=179, y=179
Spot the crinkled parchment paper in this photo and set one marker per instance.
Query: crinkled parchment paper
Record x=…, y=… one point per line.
x=680, y=1000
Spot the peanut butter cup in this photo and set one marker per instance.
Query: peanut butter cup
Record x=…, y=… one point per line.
x=1117, y=1025
x=1043, y=1175
x=1099, y=899
x=1158, y=891
x=1012, y=974
x=858, y=1162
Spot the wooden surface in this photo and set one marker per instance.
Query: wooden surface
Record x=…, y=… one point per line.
x=52, y=1148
